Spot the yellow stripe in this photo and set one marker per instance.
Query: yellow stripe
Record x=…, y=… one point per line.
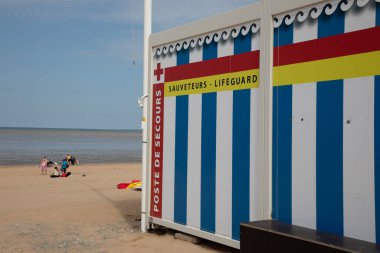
x=134, y=185
x=357, y=65
x=230, y=81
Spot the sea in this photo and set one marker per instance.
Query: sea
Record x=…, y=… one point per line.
x=26, y=146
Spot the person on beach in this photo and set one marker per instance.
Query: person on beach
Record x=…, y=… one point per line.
x=68, y=158
x=74, y=161
x=43, y=165
x=64, y=166
x=49, y=162
x=56, y=172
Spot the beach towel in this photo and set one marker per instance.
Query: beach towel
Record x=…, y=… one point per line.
x=135, y=184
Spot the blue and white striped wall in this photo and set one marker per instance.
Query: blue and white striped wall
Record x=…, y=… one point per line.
x=326, y=140
x=210, y=163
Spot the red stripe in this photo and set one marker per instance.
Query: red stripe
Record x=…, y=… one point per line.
x=227, y=64
x=245, y=61
x=357, y=42
x=157, y=150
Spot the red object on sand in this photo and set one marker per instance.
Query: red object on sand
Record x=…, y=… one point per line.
x=122, y=185
x=133, y=184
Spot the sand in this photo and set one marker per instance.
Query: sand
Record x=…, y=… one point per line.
x=82, y=213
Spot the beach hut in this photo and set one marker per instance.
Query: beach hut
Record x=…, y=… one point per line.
x=271, y=111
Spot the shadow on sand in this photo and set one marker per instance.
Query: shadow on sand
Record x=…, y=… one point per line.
x=129, y=209
x=132, y=218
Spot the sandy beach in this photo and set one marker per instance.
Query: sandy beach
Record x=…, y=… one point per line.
x=82, y=213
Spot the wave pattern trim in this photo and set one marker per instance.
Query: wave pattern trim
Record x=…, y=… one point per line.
x=315, y=11
x=232, y=32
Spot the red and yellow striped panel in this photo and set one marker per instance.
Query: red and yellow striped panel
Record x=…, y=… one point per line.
x=347, y=55
x=234, y=72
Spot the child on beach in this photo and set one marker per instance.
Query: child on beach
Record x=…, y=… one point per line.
x=64, y=165
x=43, y=165
x=56, y=172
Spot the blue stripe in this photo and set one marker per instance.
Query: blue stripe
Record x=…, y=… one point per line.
x=377, y=156
x=240, y=147
x=329, y=154
x=330, y=25
x=377, y=142
x=210, y=51
x=208, y=149
x=329, y=150
x=377, y=14
x=284, y=153
x=283, y=35
x=274, y=214
x=282, y=139
x=180, y=163
x=183, y=57
x=242, y=44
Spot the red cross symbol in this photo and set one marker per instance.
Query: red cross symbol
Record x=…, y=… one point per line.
x=158, y=71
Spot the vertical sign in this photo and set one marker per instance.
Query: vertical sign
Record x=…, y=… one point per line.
x=157, y=148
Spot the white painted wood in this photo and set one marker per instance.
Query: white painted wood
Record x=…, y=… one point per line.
x=305, y=31
x=304, y=141
x=168, y=159
x=358, y=141
x=360, y=18
x=255, y=41
x=266, y=79
x=168, y=60
x=194, y=161
x=217, y=22
x=223, y=180
x=196, y=54
x=196, y=232
x=358, y=159
x=194, y=151
x=280, y=6
x=304, y=155
x=255, y=173
x=226, y=48
x=223, y=199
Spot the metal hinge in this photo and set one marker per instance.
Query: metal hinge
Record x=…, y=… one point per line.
x=141, y=100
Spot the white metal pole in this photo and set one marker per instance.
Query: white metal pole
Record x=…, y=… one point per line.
x=147, y=32
x=266, y=66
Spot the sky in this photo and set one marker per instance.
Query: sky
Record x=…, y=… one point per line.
x=79, y=63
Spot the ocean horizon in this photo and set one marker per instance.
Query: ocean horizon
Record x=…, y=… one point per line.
x=79, y=129
x=26, y=146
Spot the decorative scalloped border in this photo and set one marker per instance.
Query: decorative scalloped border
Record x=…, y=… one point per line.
x=315, y=11
x=233, y=32
x=287, y=18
